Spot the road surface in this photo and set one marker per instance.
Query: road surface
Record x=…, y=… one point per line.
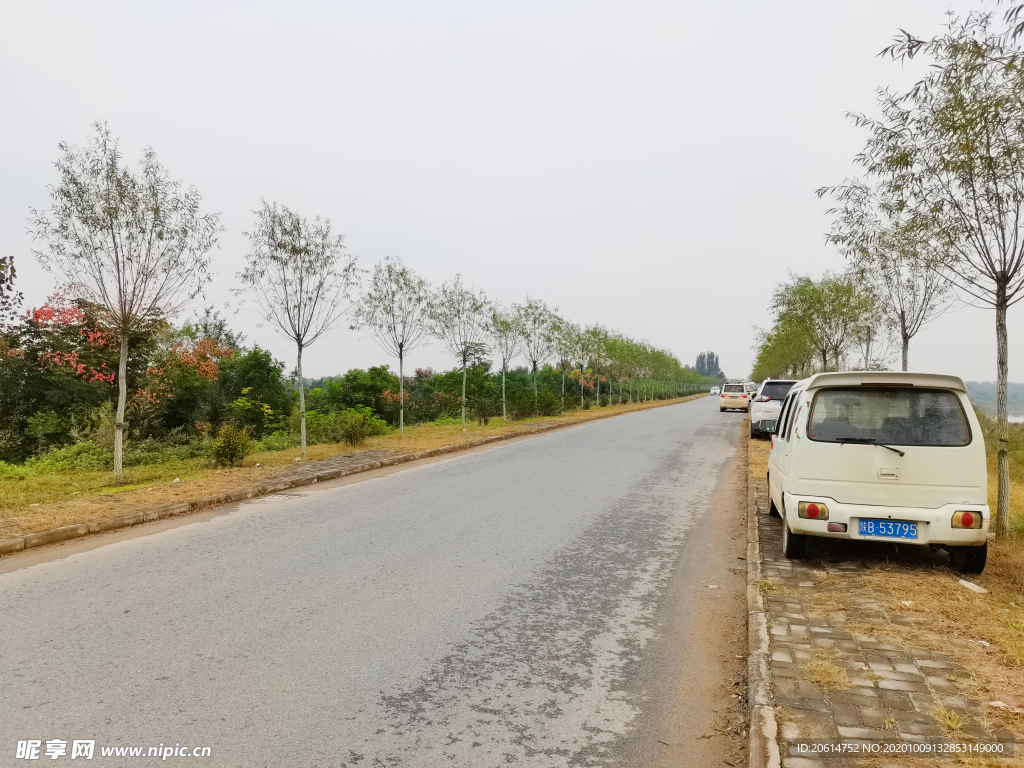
x=538, y=603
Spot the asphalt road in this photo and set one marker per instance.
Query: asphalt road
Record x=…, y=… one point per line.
x=494, y=608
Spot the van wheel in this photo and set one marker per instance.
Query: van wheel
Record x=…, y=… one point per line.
x=968, y=559
x=721, y=410
x=754, y=434
x=793, y=544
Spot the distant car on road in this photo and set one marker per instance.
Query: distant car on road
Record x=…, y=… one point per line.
x=716, y=391
x=767, y=403
x=881, y=456
x=733, y=396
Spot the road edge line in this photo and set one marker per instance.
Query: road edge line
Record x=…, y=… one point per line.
x=77, y=530
x=763, y=748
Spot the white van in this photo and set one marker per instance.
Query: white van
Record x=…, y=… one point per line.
x=881, y=456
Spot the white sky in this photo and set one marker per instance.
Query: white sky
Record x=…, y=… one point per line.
x=647, y=165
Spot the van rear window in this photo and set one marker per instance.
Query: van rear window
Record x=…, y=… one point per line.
x=738, y=388
x=898, y=416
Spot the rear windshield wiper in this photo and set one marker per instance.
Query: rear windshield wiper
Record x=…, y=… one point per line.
x=869, y=441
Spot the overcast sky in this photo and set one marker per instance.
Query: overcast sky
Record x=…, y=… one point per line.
x=647, y=165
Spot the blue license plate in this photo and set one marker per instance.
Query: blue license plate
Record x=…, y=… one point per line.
x=890, y=529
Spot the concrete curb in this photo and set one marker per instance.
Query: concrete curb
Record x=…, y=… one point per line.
x=54, y=535
x=763, y=749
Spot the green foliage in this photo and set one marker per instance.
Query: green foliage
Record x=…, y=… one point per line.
x=83, y=455
x=231, y=445
x=281, y=440
x=352, y=425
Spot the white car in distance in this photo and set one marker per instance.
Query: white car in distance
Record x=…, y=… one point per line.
x=767, y=403
x=716, y=391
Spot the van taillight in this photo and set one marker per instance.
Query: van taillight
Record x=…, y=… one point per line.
x=810, y=510
x=966, y=520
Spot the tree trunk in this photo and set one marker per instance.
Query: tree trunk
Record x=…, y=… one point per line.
x=302, y=405
x=1002, y=423
x=563, y=389
x=504, y=411
x=906, y=350
x=597, y=401
x=463, y=396
x=401, y=395
x=581, y=389
x=534, y=381
x=122, y=401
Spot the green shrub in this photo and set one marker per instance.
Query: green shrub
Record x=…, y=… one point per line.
x=12, y=471
x=447, y=421
x=231, y=445
x=352, y=426
x=277, y=441
x=83, y=455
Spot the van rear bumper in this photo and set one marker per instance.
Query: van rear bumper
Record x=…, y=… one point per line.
x=934, y=525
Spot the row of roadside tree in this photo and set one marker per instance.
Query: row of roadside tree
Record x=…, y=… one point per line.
x=131, y=247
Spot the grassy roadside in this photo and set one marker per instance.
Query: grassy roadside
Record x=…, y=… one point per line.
x=51, y=500
x=984, y=632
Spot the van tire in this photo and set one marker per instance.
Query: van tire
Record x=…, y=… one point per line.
x=754, y=434
x=721, y=410
x=968, y=559
x=793, y=544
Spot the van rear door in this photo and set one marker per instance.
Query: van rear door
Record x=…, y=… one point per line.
x=892, y=446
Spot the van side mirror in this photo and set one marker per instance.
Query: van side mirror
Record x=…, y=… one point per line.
x=767, y=426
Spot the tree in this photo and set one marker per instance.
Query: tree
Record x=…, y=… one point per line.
x=563, y=336
x=946, y=158
x=888, y=256
x=597, y=356
x=828, y=311
x=394, y=311
x=10, y=299
x=135, y=245
x=536, y=322
x=707, y=365
x=507, y=336
x=302, y=280
x=458, y=317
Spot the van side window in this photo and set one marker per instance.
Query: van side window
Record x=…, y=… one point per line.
x=789, y=416
x=780, y=425
x=798, y=409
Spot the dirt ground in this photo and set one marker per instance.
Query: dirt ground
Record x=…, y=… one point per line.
x=702, y=717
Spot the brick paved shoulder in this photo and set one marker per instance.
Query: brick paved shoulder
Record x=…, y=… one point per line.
x=894, y=690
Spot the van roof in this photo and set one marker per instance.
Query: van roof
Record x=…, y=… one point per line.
x=856, y=378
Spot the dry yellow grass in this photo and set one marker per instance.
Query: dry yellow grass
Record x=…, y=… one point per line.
x=759, y=450
x=825, y=673
x=46, y=501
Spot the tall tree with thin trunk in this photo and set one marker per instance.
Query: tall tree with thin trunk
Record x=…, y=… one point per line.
x=947, y=156
x=134, y=244
x=889, y=257
x=563, y=337
x=536, y=322
x=458, y=317
x=394, y=310
x=506, y=334
x=302, y=280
